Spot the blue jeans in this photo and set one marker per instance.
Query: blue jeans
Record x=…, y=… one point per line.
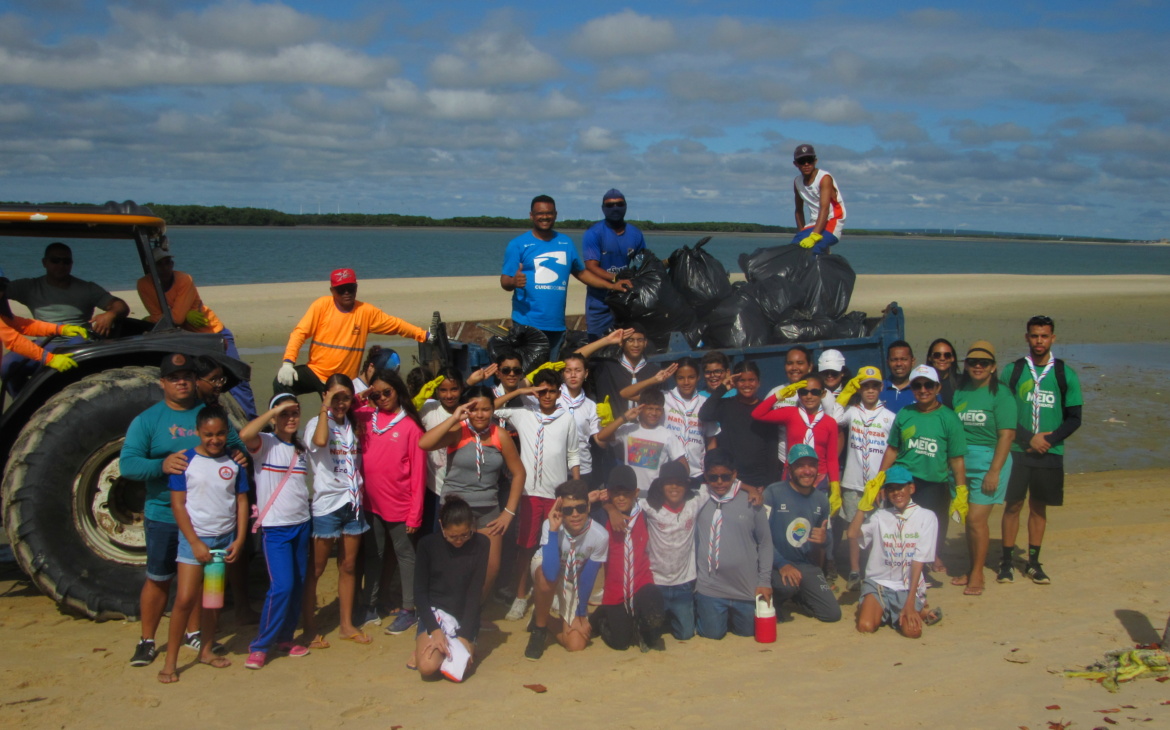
x=714, y=614
x=554, y=343
x=680, y=609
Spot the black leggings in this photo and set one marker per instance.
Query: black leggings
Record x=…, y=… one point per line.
x=620, y=631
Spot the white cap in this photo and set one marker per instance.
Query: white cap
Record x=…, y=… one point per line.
x=831, y=360
x=924, y=371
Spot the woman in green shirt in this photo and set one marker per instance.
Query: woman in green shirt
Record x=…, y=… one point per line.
x=988, y=412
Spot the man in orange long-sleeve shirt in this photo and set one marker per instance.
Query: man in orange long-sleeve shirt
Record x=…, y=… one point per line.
x=15, y=331
x=336, y=328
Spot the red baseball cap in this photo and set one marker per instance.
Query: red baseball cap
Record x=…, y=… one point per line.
x=342, y=276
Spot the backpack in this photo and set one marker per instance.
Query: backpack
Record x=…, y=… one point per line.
x=1061, y=377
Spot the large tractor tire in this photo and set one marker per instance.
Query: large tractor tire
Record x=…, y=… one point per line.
x=76, y=526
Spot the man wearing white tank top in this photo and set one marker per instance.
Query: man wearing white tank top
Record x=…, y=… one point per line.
x=818, y=190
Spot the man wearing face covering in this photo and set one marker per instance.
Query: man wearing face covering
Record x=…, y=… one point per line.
x=608, y=246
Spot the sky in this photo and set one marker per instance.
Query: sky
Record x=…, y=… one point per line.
x=1033, y=117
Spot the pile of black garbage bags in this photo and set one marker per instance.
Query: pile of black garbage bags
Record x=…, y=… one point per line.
x=790, y=296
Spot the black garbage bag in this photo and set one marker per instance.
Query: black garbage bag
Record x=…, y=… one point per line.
x=695, y=334
x=850, y=326
x=828, y=286
x=574, y=340
x=699, y=277
x=528, y=342
x=778, y=297
x=737, y=321
x=789, y=261
x=651, y=302
x=809, y=330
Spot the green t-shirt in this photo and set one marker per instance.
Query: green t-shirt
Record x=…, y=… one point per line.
x=926, y=440
x=1051, y=409
x=984, y=414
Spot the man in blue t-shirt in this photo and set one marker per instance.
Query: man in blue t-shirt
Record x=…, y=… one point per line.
x=608, y=247
x=536, y=270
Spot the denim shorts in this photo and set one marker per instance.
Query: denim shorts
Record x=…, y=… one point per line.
x=213, y=542
x=344, y=520
x=162, y=545
x=892, y=601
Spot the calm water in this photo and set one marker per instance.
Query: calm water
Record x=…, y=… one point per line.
x=261, y=255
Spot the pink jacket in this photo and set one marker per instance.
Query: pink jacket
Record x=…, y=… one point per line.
x=394, y=468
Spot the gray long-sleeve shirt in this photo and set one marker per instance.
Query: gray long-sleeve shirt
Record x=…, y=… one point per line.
x=745, y=550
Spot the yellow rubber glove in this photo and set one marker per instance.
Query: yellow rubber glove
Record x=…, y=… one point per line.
x=872, y=489
x=555, y=366
x=790, y=390
x=811, y=240
x=195, y=318
x=427, y=391
x=73, y=330
x=958, y=508
x=849, y=390
x=605, y=412
x=61, y=363
x=834, y=498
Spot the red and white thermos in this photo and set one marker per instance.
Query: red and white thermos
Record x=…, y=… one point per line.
x=765, y=621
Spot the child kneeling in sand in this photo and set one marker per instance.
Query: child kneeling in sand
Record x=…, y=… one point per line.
x=573, y=548
x=903, y=537
x=210, y=503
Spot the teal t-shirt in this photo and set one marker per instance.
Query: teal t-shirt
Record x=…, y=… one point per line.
x=926, y=440
x=984, y=414
x=1051, y=408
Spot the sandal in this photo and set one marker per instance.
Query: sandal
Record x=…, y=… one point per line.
x=220, y=662
x=360, y=637
x=973, y=591
x=319, y=642
x=933, y=617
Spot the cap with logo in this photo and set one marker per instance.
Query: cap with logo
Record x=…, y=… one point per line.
x=869, y=374
x=801, y=451
x=831, y=360
x=924, y=371
x=342, y=276
x=174, y=363
x=803, y=150
x=898, y=474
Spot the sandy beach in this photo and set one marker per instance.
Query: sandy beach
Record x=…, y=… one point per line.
x=988, y=664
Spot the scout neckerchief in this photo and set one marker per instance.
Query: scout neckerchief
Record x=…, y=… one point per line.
x=633, y=369
x=569, y=597
x=541, y=421
x=628, y=560
x=393, y=422
x=810, y=423
x=717, y=526
x=1036, y=380
x=867, y=423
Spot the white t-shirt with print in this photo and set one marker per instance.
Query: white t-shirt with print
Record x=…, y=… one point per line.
x=681, y=417
x=898, y=540
x=588, y=424
x=211, y=485
x=432, y=414
x=645, y=450
x=672, y=539
x=336, y=465
x=559, y=454
x=270, y=463
x=865, y=444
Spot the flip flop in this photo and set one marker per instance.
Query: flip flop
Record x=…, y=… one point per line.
x=220, y=662
x=360, y=637
x=413, y=669
x=933, y=617
x=319, y=642
x=972, y=591
x=168, y=677
x=959, y=580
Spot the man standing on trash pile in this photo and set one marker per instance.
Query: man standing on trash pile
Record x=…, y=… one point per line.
x=818, y=190
x=608, y=246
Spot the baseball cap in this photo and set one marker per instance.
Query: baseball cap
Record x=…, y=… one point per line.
x=622, y=478
x=803, y=150
x=924, y=371
x=342, y=276
x=801, y=451
x=175, y=363
x=612, y=194
x=898, y=474
x=870, y=374
x=831, y=360
x=981, y=348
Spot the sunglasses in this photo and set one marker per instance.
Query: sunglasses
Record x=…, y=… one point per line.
x=57, y=260
x=942, y=356
x=510, y=371
x=831, y=373
x=575, y=509
x=804, y=161
x=923, y=385
x=718, y=477
x=818, y=392
x=979, y=362
x=613, y=205
x=380, y=394
x=217, y=382
x=346, y=289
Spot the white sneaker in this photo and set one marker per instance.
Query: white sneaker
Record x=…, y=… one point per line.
x=517, y=611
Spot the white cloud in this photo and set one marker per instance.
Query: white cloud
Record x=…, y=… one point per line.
x=836, y=110
x=491, y=58
x=597, y=139
x=625, y=34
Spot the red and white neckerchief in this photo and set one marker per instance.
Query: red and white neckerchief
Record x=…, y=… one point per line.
x=479, y=437
x=569, y=593
x=1036, y=380
x=346, y=463
x=541, y=421
x=808, y=424
x=684, y=406
x=393, y=422
x=867, y=423
x=717, y=525
x=571, y=403
x=628, y=559
x=900, y=543
x=632, y=369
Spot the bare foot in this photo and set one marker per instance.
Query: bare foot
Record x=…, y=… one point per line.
x=959, y=580
x=218, y=662
x=974, y=589
x=168, y=677
x=939, y=566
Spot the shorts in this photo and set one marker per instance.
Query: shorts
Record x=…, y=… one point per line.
x=162, y=546
x=484, y=516
x=1046, y=484
x=892, y=601
x=850, y=498
x=533, y=512
x=978, y=461
x=213, y=542
x=344, y=520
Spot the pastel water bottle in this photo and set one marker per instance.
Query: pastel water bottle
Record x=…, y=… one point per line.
x=213, y=576
x=765, y=621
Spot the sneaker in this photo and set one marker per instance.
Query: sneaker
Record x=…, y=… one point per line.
x=517, y=611
x=193, y=640
x=256, y=660
x=144, y=653
x=831, y=574
x=403, y=622
x=292, y=648
x=536, y=641
x=1037, y=574
x=853, y=582
x=370, y=616
x=1005, y=573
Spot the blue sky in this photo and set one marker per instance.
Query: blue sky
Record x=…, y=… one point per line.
x=1036, y=117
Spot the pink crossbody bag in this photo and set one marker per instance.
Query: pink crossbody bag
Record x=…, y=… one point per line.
x=258, y=517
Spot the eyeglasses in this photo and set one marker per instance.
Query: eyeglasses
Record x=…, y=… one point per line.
x=614, y=205
x=818, y=392
x=714, y=373
x=578, y=509
x=462, y=537
x=59, y=260
x=510, y=371
x=923, y=385
x=217, y=382
x=804, y=161
x=346, y=289
x=979, y=362
x=718, y=477
x=380, y=394
x=942, y=356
